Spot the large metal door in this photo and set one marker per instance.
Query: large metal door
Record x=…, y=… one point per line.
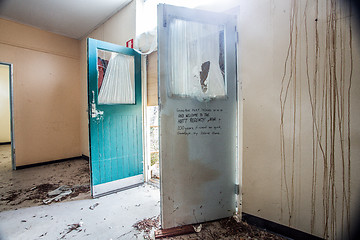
x=115, y=122
x=198, y=124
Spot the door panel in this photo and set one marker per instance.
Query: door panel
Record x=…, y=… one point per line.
x=198, y=128
x=115, y=126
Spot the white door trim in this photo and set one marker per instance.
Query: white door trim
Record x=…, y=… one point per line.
x=118, y=185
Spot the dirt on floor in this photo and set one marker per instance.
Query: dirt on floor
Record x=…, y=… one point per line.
x=225, y=229
x=30, y=186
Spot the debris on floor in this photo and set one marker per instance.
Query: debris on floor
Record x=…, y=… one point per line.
x=94, y=206
x=197, y=228
x=41, y=194
x=227, y=228
x=43, y=235
x=58, y=194
x=111, y=219
x=71, y=228
x=147, y=226
x=244, y=230
x=28, y=187
x=60, y=190
x=77, y=189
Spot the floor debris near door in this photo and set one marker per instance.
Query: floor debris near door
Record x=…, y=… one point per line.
x=114, y=217
x=31, y=186
x=110, y=217
x=225, y=229
x=130, y=214
x=147, y=226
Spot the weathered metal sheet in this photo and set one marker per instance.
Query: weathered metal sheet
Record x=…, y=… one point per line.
x=197, y=139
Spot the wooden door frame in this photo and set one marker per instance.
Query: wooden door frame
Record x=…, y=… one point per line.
x=146, y=147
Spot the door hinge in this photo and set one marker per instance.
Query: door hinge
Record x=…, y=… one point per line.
x=237, y=189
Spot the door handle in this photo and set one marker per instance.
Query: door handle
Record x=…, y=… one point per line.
x=94, y=112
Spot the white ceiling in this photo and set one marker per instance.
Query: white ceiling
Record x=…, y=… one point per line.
x=71, y=18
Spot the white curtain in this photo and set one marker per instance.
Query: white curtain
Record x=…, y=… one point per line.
x=118, y=85
x=194, y=51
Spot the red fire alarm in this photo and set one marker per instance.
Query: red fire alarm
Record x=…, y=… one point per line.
x=130, y=43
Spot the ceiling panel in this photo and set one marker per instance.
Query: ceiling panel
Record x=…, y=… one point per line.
x=71, y=18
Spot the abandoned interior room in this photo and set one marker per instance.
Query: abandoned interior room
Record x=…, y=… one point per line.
x=179, y=119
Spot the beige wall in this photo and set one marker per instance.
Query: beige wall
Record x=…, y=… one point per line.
x=152, y=81
x=46, y=92
x=118, y=30
x=291, y=165
x=4, y=103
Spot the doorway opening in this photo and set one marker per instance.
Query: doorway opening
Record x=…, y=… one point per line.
x=153, y=138
x=29, y=185
x=6, y=137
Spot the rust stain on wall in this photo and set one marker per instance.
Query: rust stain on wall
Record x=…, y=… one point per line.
x=329, y=71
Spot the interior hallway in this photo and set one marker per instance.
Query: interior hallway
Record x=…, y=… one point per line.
x=29, y=187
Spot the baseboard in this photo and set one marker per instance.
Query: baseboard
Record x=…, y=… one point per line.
x=277, y=228
x=85, y=157
x=5, y=143
x=48, y=162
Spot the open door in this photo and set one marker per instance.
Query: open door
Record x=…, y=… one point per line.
x=115, y=117
x=198, y=115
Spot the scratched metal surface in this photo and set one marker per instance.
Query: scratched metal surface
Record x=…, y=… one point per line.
x=197, y=139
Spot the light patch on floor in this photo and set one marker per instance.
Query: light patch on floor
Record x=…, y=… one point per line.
x=109, y=217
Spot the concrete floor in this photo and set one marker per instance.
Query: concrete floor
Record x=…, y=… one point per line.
x=23, y=215
x=28, y=187
x=112, y=217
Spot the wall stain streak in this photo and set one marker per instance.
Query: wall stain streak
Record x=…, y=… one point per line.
x=328, y=64
x=289, y=80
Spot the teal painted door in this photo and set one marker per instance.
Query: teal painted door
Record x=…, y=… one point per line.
x=115, y=124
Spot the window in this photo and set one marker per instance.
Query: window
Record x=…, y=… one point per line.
x=116, y=83
x=197, y=60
